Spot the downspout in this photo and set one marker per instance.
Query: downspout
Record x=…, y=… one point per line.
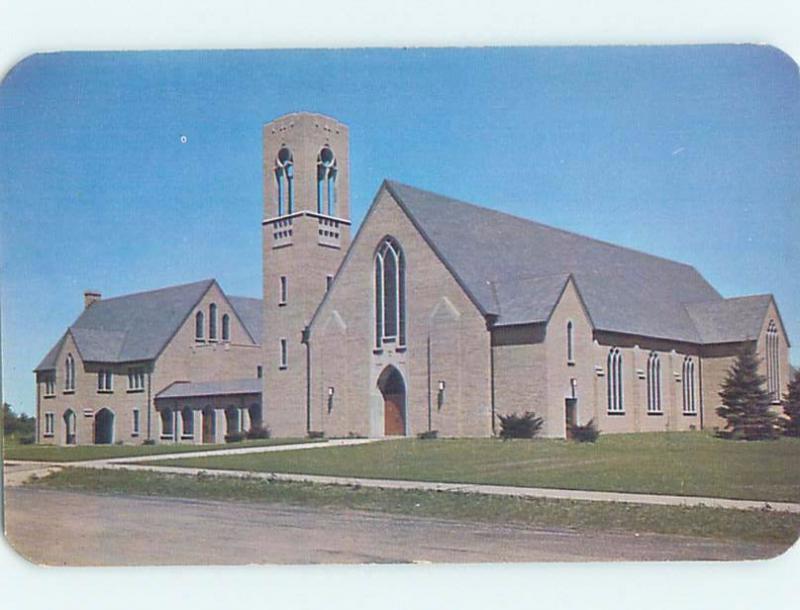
x=490, y=320
x=149, y=426
x=430, y=407
x=38, y=411
x=702, y=403
x=305, y=340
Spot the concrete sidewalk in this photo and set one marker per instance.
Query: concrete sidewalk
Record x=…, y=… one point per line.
x=469, y=488
x=17, y=472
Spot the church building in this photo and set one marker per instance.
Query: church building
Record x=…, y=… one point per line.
x=438, y=315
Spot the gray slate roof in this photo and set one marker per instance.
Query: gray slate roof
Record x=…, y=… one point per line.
x=230, y=387
x=136, y=327
x=730, y=320
x=515, y=269
x=251, y=314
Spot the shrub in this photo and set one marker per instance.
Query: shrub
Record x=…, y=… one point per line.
x=149, y=441
x=258, y=432
x=27, y=439
x=234, y=437
x=316, y=434
x=430, y=434
x=585, y=434
x=526, y=425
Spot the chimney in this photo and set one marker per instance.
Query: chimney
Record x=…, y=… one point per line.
x=89, y=297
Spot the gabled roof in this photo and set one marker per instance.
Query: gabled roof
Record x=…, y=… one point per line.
x=136, y=327
x=251, y=314
x=730, y=320
x=229, y=387
x=512, y=267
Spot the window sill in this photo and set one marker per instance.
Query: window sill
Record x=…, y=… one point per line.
x=166, y=437
x=48, y=395
x=199, y=341
x=377, y=351
x=656, y=413
x=46, y=435
x=187, y=437
x=615, y=413
x=685, y=414
x=282, y=304
x=105, y=391
x=135, y=390
x=134, y=434
x=283, y=367
x=400, y=349
x=570, y=363
x=69, y=391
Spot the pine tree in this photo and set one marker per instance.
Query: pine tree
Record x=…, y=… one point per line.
x=791, y=407
x=745, y=401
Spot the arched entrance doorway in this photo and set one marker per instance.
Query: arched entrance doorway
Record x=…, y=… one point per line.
x=393, y=389
x=69, y=427
x=104, y=427
x=209, y=426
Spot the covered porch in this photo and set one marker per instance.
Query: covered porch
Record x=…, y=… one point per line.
x=208, y=412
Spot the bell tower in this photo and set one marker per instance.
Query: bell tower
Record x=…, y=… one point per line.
x=306, y=233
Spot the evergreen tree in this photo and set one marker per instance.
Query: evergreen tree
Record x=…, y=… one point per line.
x=791, y=407
x=745, y=400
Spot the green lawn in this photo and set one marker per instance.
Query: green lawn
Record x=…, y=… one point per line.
x=690, y=463
x=759, y=526
x=48, y=453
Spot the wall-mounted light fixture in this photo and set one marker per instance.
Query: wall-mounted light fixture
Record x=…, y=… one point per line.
x=331, y=392
x=440, y=395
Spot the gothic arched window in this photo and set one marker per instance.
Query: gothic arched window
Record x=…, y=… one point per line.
x=199, y=330
x=390, y=294
x=773, y=366
x=326, y=182
x=212, y=322
x=284, y=177
x=653, y=383
x=226, y=327
x=689, y=405
x=614, y=374
x=570, y=343
x=69, y=373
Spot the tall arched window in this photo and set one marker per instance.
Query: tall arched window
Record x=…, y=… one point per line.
x=69, y=373
x=226, y=327
x=167, y=424
x=326, y=182
x=284, y=178
x=689, y=404
x=773, y=366
x=199, y=326
x=614, y=374
x=187, y=423
x=570, y=343
x=212, y=322
x=653, y=383
x=390, y=294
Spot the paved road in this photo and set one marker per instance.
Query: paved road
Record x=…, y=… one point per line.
x=65, y=528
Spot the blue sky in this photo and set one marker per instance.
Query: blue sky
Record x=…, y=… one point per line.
x=689, y=152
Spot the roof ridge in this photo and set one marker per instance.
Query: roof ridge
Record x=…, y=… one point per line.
x=520, y=278
x=154, y=290
x=541, y=224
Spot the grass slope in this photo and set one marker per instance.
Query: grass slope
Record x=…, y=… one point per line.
x=691, y=463
x=760, y=526
x=49, y=453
